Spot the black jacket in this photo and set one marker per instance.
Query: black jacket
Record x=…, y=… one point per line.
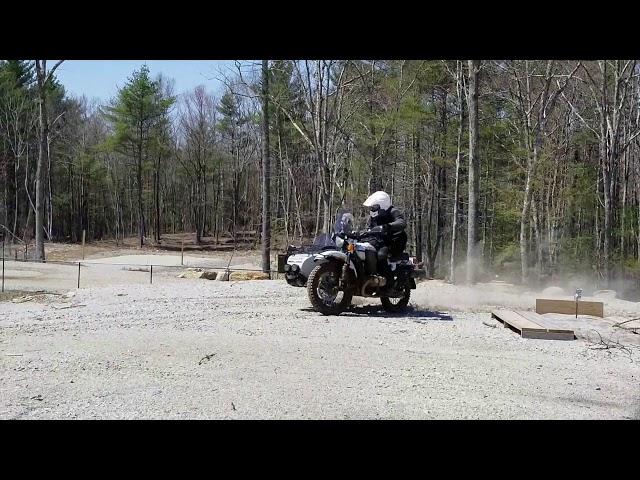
x=395, y=236
x=393, y=218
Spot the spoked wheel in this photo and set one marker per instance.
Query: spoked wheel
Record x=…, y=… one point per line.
x=396, y=305
x=323, y=291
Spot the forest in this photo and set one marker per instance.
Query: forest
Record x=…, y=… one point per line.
x=527, y=169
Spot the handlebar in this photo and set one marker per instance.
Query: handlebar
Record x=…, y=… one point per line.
x=361, y=234
x=353, y=235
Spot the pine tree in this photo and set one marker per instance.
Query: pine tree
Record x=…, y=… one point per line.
x=136, y=112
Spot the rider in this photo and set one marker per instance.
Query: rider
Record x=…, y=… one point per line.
x=387, y=225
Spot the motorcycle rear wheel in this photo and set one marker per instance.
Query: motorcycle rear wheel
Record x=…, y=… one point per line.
x=396, y=305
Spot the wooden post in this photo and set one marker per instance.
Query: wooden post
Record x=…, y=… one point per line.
x=83, y=236
x=182, y=254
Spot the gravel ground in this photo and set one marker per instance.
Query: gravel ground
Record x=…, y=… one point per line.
x=254, y=350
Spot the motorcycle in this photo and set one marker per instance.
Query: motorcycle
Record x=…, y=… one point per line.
x=334, y=271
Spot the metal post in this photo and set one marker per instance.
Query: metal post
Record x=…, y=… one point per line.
x=83, y=234
x=151, y=270
x=182, y=254
x=79, y=274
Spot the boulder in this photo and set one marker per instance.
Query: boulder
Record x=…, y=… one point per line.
x=235, y=276
x=189, y=274
x=209, y=274
x=198, y=273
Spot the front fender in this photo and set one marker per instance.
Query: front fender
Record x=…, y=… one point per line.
x=333, y=255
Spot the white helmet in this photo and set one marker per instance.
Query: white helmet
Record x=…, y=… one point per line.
x=377, y=201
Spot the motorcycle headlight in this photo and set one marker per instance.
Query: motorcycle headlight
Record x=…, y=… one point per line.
x=339, y=242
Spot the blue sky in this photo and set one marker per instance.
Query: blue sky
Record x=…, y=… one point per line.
x=101, y=79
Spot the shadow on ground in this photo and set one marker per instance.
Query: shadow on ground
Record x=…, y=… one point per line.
x=378, y=311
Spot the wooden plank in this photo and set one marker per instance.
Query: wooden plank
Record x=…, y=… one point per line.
x=540, y=335
x=542, y=321
x=529, y=328
x=516, y=321
x=568, y=307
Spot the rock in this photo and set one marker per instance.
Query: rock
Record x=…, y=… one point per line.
x=223, y=276
x=605, y=294
x=234, y=276
x=554, y=292
x=24, y=298
x=209, y=275
x=198, y=273
x=189, y=273
x=136, y=269
x=69, y=295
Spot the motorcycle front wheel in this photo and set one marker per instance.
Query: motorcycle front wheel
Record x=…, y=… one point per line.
x=322, y=288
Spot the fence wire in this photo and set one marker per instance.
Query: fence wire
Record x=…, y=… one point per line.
x=149, y=267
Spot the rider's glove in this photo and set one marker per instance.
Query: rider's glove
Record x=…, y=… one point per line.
x=378, y=229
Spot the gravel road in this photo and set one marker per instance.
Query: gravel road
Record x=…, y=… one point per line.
x=254, y=350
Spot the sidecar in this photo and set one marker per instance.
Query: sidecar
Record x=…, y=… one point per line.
x=298, y=263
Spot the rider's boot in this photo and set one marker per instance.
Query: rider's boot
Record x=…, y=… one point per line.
x=371, y=263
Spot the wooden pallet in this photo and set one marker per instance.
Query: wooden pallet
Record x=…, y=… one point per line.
x=568, y=307
x=531, y=325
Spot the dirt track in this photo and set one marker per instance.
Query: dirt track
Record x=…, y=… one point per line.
x=205, y=349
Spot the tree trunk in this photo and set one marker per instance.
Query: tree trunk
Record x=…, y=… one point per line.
x=474, y=171
x=156, y=188
x=524, y=215
x=454, y=220
x=417, y=197
x=43, y=154
x=266, y=172
x=140, y=210
x=50, y=194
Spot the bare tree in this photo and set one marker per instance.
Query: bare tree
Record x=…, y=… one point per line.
x=197, y=121
x=454, y=220
x=473, y=172
x=266, y=172
x=43, y=76
x=534, y=97
x=611, y=87
x=17, y=121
